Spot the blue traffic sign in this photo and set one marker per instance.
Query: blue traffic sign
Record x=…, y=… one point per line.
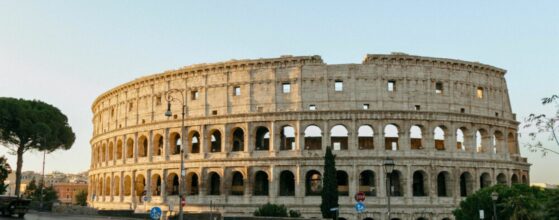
x=360, y=207
x=155, y=213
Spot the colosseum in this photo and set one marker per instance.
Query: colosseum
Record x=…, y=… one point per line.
x=255, y=131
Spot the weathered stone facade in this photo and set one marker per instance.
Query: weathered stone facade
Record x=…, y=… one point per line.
x=256, y=132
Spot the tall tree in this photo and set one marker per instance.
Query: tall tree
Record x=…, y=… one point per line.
x=541, y=124
x=32, y=124
x=5, y=170
x=330, y=186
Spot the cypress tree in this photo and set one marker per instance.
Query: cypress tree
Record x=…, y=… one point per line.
x=330, y=186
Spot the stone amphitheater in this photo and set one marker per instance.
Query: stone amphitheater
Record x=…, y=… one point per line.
x=256, y=132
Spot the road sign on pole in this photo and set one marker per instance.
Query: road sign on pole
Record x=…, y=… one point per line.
x=360, y=196
x=359, y=207
x=155, y=213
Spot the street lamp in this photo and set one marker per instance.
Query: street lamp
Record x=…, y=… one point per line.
x=388, y=169
x=169, y=97
x=494, y=197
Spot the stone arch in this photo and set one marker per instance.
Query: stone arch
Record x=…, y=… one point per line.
x=498, y=140
x=192, y=183
x=416, y=137
x=262, y=138
x=502, y=179
x=140, y=185
x=238, y=139
x=116, y=185
x=107, y=186
x=482, y=140
x=142, y=146
x=194, y=140
x=119, y=149
x=261, y=184
x=367, y=183
x=514, y=179
x=237, y=183
x=484, y=180
x=175, y=143
x=127, y=185
x=396, y=183
x=365, y=137
x=215, y=141
x=155, y=185
x=103, y=152
x=214, y=183
x=391, y=136
x=287, y=138
x=339, y=137
x=342, y=181
x=444, y=185
x=466, y=184
x=129, y=148
x=313, y=183
x=287, y=183
x=157, y=145
x=172, y=184
x=420, y=183
x=511, y=142
x=111, y=151
x=439, y=134
x=313, y=138
x=460, y=139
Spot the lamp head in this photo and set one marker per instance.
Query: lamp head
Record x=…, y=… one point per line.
x=168, y=113
x=388, y=165
x=494, y=196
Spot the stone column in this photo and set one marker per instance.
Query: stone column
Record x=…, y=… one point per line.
x=136, y=147
x=325, y=129
x=404, y=142
x=166, y=144
x=273, y=185
x=149, y=152
x=352, y=139
x=121, y=186
x=148, y=183
x=353, y=180
x=164, y=186
x=133, y=190
x=378, y=137
x=450, y=142
x=274, y=149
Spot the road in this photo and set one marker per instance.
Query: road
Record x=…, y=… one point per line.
x=51, y=216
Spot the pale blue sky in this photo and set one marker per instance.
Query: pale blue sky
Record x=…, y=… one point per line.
x=68, y=52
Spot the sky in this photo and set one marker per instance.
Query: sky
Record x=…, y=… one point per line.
x=66, y=53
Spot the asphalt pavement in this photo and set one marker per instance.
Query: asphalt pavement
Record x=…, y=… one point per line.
x=53, y=216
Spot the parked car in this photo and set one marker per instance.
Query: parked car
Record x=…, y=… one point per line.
x=12, y=205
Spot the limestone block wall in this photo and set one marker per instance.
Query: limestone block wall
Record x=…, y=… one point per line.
x=256, y=132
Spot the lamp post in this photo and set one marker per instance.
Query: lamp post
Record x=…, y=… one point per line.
x=388, y=168
x=494, y=197
x=169, y=97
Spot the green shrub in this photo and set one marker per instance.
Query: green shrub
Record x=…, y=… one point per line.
x=271, y=210
x=294, y=214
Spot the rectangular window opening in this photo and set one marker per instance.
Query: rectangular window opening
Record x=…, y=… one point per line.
x=194, y=95
x=130, y=106
x=365, y=106
x=462, y=110
x=417, y=107
x=479, y=93
x=496, y=114
x=312, y=107
x=259, y=109
x=237, y=91
x=439, y=87
x=286, y=88
x=158, y=100
x=391, y=85
x=339, y=86
x=214, y=112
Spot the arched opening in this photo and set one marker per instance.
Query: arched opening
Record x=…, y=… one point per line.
x=155, y=185
x=215, y=140
x=397, y=187
x=142, y=146
x=215, y=184
x=439, y=135
x=127, y=185
x=338, y=137
x=157, y=145
x=511, y=142
x=261, y=184
x=514, y=179
x=237, y=184
x=367, y=183
x=524, y=179
x=117, y=186
x=238, y=139
x=262, y=139
x=421, y=218
x=391, y=137
x=192, y=184
x=103, y=152
x=460, y=139
x=419, y=185
x=119, y=149
x=368, y=218
x=287, y=138
x=365, y=137
x=111, y=151
x=129, y=148
x=466, y=184
x=444, y=187
x=502, y=179
x=313, y=183
x=498, y=142
x=140, y=185
x=313, y=138
x=108, y=186
x=287, y=183
x=175, y=143
x=194, y=142
x=482, y=141
x=484, y=180
x=342, y=183
x=100, y=187
x=172, y=184
x=416, y=137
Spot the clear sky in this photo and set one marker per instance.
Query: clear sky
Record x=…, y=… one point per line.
x=66, y=53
